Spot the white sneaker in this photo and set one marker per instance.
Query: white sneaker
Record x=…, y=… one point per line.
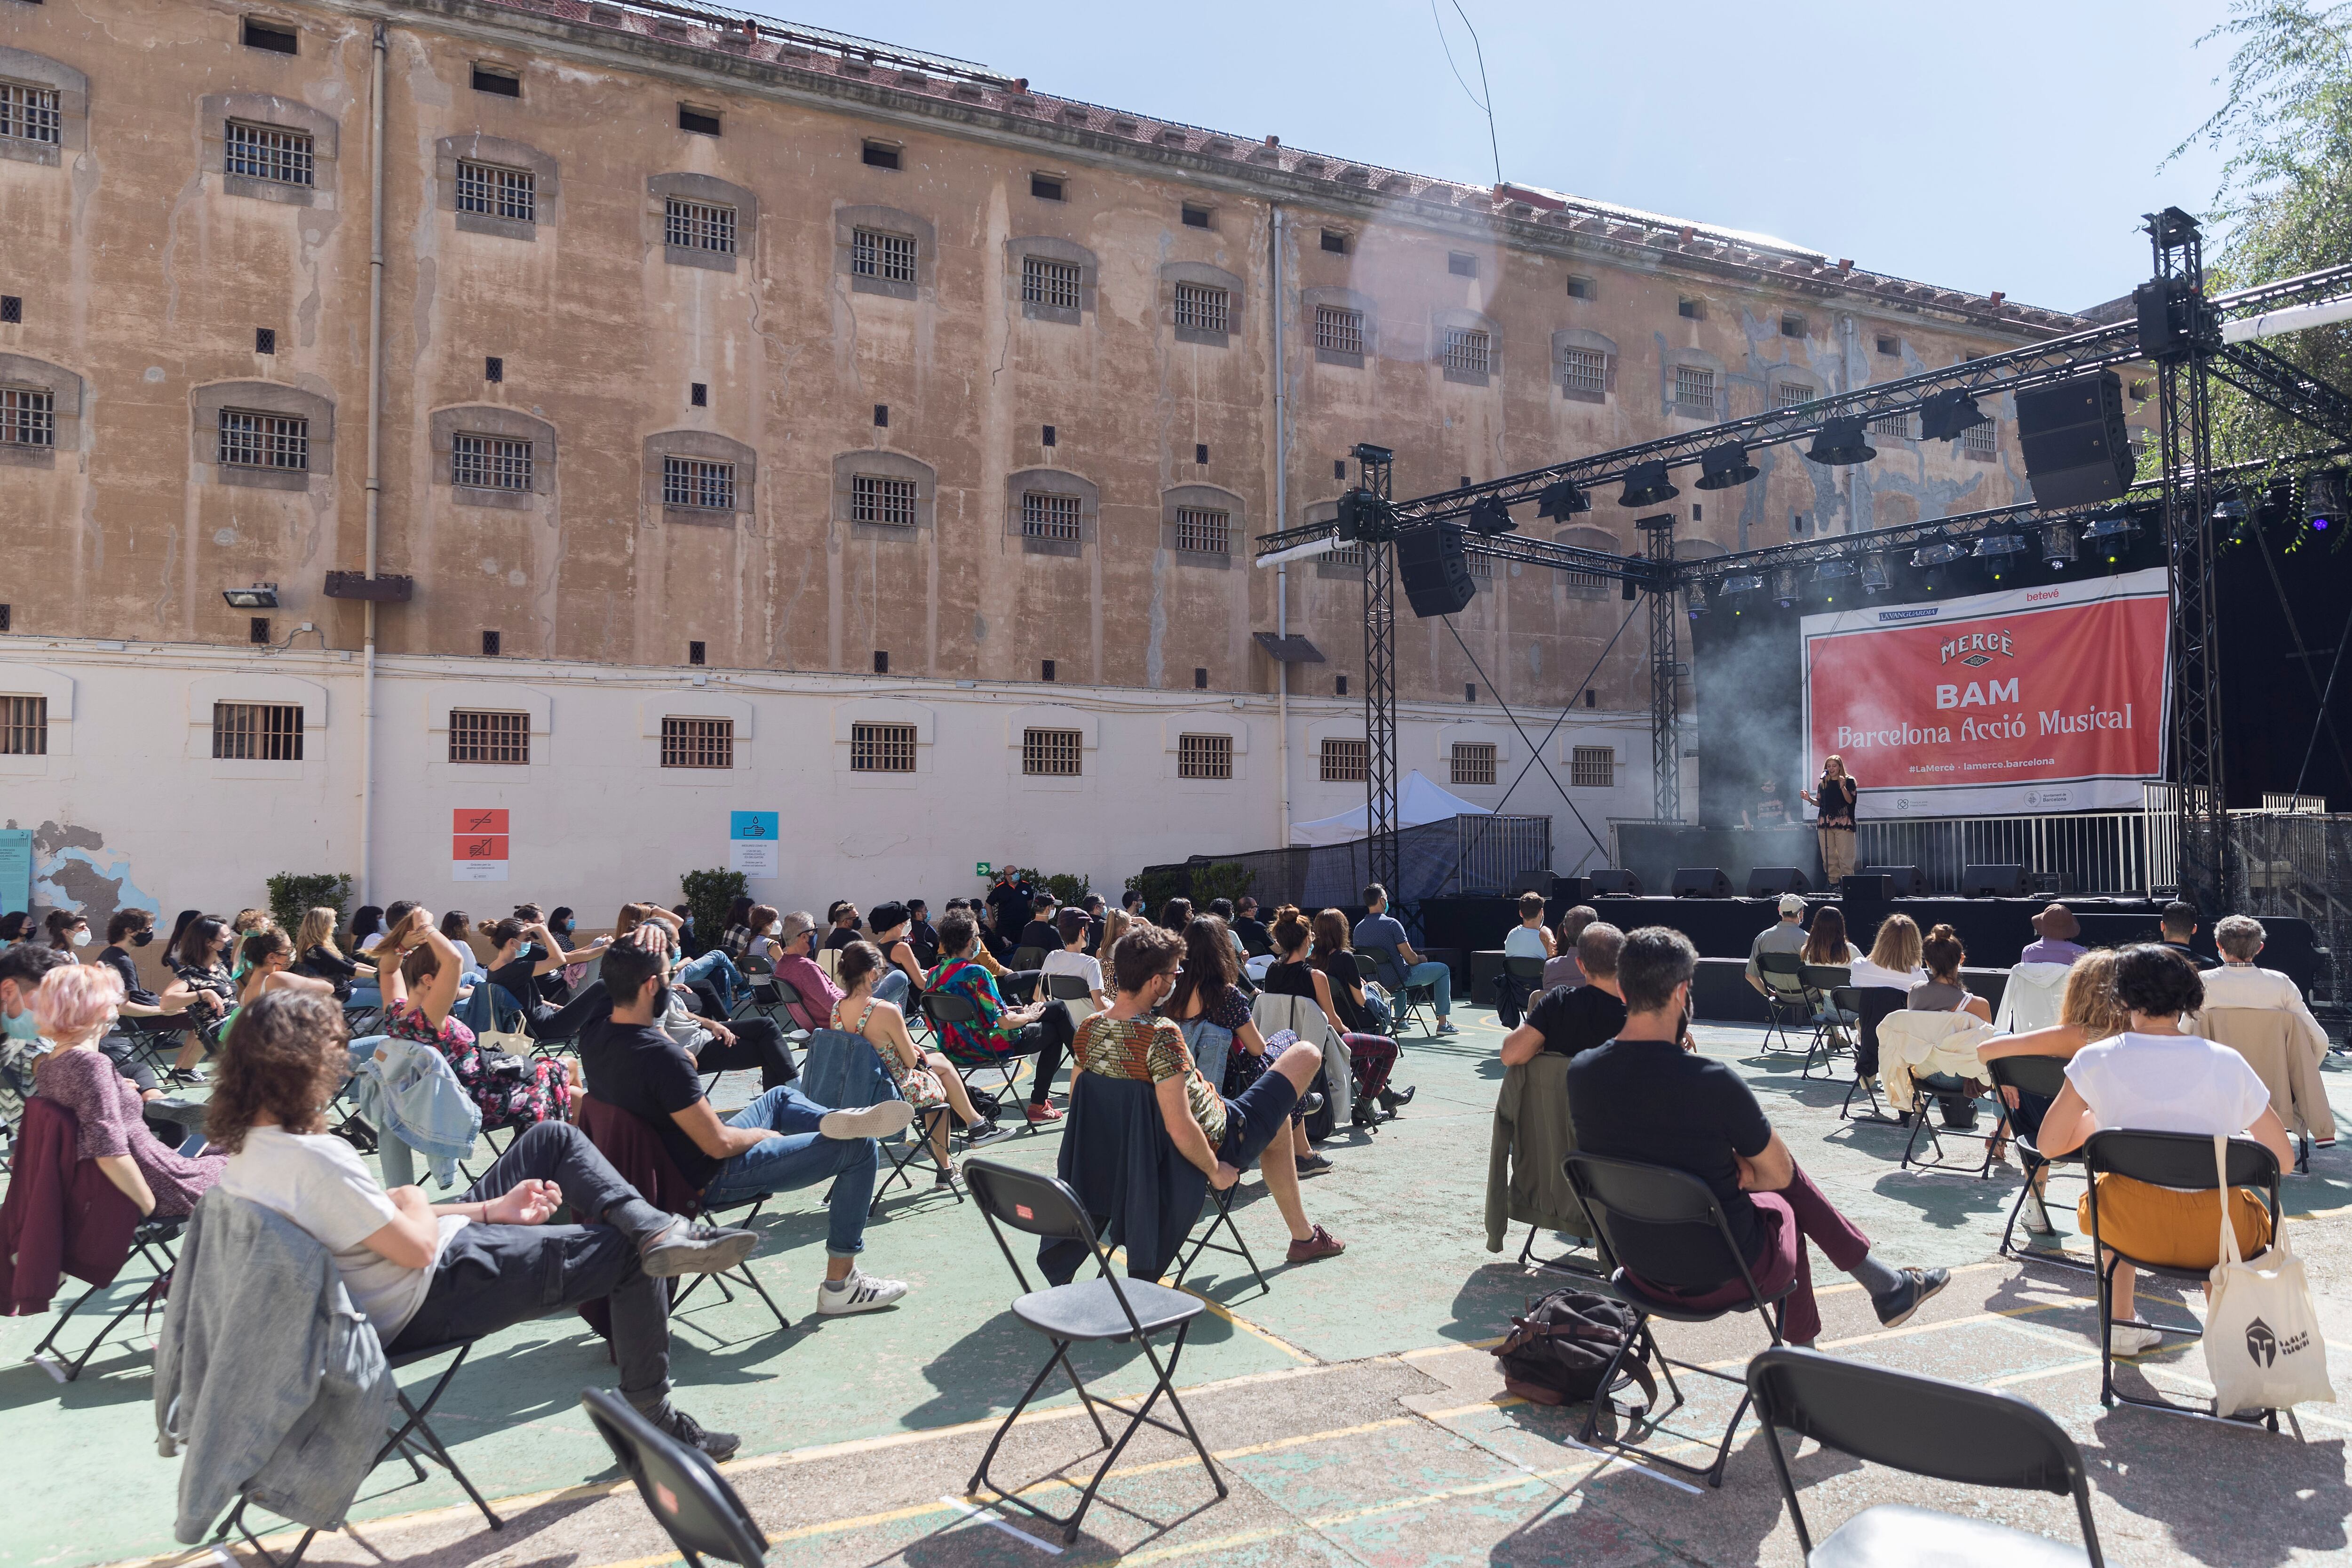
x=2036, y=1218
x=2125, y=1339
x=861, y=1292
x=871, y=1122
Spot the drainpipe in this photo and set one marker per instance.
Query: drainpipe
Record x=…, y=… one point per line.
x=375, y=447
x=1281, y=521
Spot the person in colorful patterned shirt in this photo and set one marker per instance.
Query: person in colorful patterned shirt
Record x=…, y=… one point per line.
x=1042, y=1029
x=420, y=968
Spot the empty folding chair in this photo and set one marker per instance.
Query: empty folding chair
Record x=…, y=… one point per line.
x=1872, y=1005
x=1786, y=1003
x=2042, y=1076
x=680, y=1486
x=1837, y=1008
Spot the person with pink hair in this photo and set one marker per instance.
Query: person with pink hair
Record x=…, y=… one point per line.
x=74, y=1007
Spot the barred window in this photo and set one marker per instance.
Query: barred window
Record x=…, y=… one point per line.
x=1473, y=762
x=698, y=226
x=251, y=440
x=881, y=748
x=1346, y=761
x=24, y=726
x=28, y=416
x=1893, y=425
x=489, y=737
x=1205, y=533
x=891, y=258
x=490, y=463
x=697, y=742
x=1984, y=437
x=1053, y=753
x=1345, y=556
x=1584, y=370
x=1338, y=329
x=873, y=499
x=1789, y=394
x=1593, y=767
x=257, y=731
x=699, y=483
x=1209, y=310
x=1693, y=387
x=1468, y=351
x=1044, y=282
x=29, y=113
x=1047, y=516
x=1204, y=756
x=269, y=152
x=496, y=192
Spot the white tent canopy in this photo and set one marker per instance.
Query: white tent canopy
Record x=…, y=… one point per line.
x=1418, y=802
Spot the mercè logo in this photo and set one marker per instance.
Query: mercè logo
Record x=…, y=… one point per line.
x=1925, y=613
x=1976, y=648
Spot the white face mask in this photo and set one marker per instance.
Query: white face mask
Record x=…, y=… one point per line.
x=80, y=936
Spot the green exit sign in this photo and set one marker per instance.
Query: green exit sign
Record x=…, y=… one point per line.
x=980, y=869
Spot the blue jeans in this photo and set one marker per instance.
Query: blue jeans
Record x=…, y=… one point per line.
x=720, y=970
x=1439, y=978
x=893, y=988
x=802, y=1157
x=366, y=994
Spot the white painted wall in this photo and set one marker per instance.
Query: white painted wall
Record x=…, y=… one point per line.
x=596, y=820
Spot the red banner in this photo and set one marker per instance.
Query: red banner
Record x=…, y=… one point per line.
x=2044, y=699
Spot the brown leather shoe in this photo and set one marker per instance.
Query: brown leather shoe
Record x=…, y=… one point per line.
x=1319, y=1243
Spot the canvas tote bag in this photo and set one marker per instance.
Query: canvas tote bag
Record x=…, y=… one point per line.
x=2264, y=1350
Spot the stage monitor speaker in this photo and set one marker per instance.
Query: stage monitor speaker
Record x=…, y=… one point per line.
x=1615, y=879
x=1532, y=882
x=1701, y=882
x=1435, y=571
x=1993, y=882
x=1866, y=887
x=1901, y=881
x=1571, y=891
x=2073, y=439
x=1772, y=881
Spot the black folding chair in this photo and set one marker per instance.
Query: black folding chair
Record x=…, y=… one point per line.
x=153, y=1241
x=1973, y=1436
x=2182, y=1160
x=1786, y=1002
x=2044, y=1076
x=1204, y=1239
x=414, y=1439
x=1525, y=977
x=1068, y=988
x=1105, y=1309
x=746, y=1210
x=1873, y=1003
x=1027, y=958
x=943, y=1008
x=1614, y=1192
x=1387, y=968
x=1836, y=1006
x=680, y=1486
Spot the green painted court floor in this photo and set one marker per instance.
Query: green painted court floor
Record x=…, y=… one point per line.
x=1354, y=1415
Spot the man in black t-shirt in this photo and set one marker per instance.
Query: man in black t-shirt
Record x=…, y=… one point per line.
x=1643, y=1097
x=1041, y=932
x=1009, y=902
x=1568, y=1019
x=1257, y=941
x=921, y=935
x=780, y=1141
x=845, y=919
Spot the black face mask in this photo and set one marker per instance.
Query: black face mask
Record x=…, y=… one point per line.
x=140, y=939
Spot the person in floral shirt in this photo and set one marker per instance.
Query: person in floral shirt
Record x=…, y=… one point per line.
x=420, y=967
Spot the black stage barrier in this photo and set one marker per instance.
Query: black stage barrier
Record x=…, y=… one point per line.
x=1656, y=851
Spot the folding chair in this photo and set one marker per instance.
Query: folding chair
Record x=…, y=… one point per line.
x=152, y=1240
x=1071, y=991
x=1786, y=1001
x=1525, y=976
x=2044, y=1076
x=680, y=1486
x=2182, y=1160
x=415, y=1439
x=1937, y=1028
x=745, y=1211
x=1387, y=968
x=1873, y=1003
x=1026, y=958
x=943, y=1008
x=1103, y=1309
x=1973, y=1436
x=1836, y=1007
x=844, y=1071
x=1611, y=1191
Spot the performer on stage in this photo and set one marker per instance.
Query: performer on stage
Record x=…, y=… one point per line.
x=1835, y=798
x=1769, y=810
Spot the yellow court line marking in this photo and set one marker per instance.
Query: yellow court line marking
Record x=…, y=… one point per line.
x=1276, y=1340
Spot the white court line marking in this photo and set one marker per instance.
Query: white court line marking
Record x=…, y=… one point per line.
x=985, y=1517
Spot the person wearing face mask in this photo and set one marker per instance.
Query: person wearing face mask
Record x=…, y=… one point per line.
x=15, y=927
x=196, y=959
x=67, y=932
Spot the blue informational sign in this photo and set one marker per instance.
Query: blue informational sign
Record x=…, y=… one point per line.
x=15, y=869
x=752, y=824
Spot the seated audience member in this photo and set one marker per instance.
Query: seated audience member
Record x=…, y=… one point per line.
x=212, y=992
x=761, y=944
x=1370, y=1057
x=1131, y=901
x=2054, y=931
x=923, y=936
x=1943, y=990
x=1530, y=938
x=125, y=929
x=15, y=927
x=522, y=951
x=925, y=1079
x=1571, y=1019
x=424, y=1273
x=2089, y=1013
x=1093, y=904
x=367, y=928
x=1040, y=932
x=711, y=968
x=1893, y=962
x=1175, y=914
x=1206, y=990
x=1222, y=911
x=1117, y=923
x=1347, y=972
x=844, y=919
x=797, y=967
x=735, y=935
x=2180, y=924
x=1561, y=968
x=1219, y=1136
x=1643, y=1097
x=1042, y=1029
x=1826, y=944
x=2239, y=983
x=779, y=1142
x=2156, y=1077
x=73, y=1007
x=1069, y=954
x=268, y=956
x=316, y=954
x=69, y=931
x=903, y=977
x=1257, y=941
x=23, y=968
x=455, y=925
x=419, y=966
x=1785, y=935
x=1382, y=928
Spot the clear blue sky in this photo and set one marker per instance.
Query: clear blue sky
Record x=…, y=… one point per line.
x=1997, y=145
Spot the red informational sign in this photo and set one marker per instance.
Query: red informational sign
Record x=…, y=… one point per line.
x=470, y=819
x=2042, y=699
x=478, y=844
x=479, y=847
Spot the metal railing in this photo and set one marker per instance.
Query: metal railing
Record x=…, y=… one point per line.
x=2088, y=852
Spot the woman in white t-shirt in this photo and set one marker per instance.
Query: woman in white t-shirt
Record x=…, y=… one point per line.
x=2155, y=1078
x=1072, y=959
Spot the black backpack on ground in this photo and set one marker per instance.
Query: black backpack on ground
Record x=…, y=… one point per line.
x=1556, y=1352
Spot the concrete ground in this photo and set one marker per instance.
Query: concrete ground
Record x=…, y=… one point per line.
x=1354, y=1412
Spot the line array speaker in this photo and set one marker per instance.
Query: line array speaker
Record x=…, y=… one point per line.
x=1435, y=571
x=2073, y=437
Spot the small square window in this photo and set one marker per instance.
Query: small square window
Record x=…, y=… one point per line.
x=478, y=736
x=1199, y=678
x=1591, y=767
x=876, y=253
x=1580, y=288
x=1045, y=515
x=878, y=155
x=1584, y=370
x=697, y=483
x=1195, y=218
x=1045, y=188
x=23, y=721
x=1045, y=670
x=1466, y=351
x=874, y=498
x=1472, y=761
x=490, y=645
x=1694, y=388
x=1344, y=761
x=1056, y=284
x=698, y=226
x=1205, y=532
x=489, y=462
x=258, y=630
x=702, y=122
x=1461, y=264
x=490, y=79
x=1891, y=347
x=490, y=191
x=1053, y=753
x=694, y=653
x=12, y=308
x=697, y=742
x=28, y=416
x=1203, y=308
x=1789, y=394
x=699, y=394
x=1047, y=438
x=882, y=417
x=1339, y=331
x=277, y=40
x=1690, y=310
x=881, y=661
x=1793, y=325
x=1204, y=756
x=265, y=340
x=257, y=731
x=1340, y=686
x=881, y=748
x=1200, y=453
x=1335, y=241
x=493, y=367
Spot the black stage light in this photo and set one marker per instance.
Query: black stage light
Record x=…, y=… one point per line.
x=1561, y=499
x=1874, y=578
x=1741, y=583
x=1488, y=514
x=1995, y=549
x=2109, y=535
x=1646, y=484
x=2058, y=547
x=1720, y=467
x=1842, y=441
x=1835, y=567
x=1695, y=598
x=1947, y=414
x=1940, y=554
x=1784, y=586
